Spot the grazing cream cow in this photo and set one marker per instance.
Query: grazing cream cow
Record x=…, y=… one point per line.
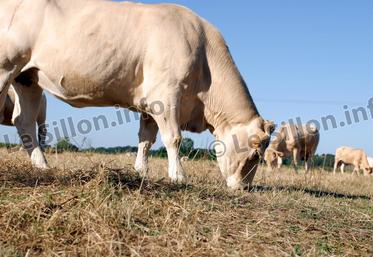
x=300, y=142
x=9, y=109
x=161, y=60
x=351, y=156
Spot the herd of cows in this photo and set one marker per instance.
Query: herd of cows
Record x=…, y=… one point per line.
x=102, y=53
x=300, y=143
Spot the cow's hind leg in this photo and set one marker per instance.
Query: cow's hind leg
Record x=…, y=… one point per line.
x=343, y=166
x=147, y=136
x=4, y=87
x=12, y=59
x=356, y=170
x=296, y=157
x=25, y=113
x=308, y=162
x=336, y=165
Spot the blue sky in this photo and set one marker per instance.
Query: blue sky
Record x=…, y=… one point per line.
x=302, y=59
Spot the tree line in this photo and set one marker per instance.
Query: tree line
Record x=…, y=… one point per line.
x=325, y=161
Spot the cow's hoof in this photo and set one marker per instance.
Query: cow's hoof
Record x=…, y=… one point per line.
x=41, y=166
x=141, y=170
x=179, y=178
x=38, y=160
x=236, y=184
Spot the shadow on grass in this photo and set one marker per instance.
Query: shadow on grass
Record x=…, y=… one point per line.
x=26, y=176
x=314, y=192
x=132, y=181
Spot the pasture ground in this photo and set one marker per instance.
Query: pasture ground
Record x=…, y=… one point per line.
x=95, y=205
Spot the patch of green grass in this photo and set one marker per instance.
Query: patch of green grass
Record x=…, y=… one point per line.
x=324, y=248
x=297, y=251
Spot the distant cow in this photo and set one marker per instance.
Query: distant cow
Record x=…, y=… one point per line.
x=7, y=115
x=370, y=161
x=300, y=142
x=350, y=156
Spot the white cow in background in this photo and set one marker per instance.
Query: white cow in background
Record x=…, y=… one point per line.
x=351, y=156
x=160, y=60
x=370, y=161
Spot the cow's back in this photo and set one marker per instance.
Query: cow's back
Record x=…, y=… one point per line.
x=131, y=46
x=350, y=155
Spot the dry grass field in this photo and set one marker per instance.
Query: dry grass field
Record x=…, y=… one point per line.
x=95, y=205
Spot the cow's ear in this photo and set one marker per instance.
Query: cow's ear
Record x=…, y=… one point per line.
x=269, y=127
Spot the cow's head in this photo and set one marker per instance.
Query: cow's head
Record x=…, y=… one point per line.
x=271, y=158
x=239, y=148
x=368, y=170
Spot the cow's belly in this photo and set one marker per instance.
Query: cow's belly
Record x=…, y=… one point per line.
x=87, y=85
x=347, y=159
x=87, y=65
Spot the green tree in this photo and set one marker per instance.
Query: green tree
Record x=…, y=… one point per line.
x=186, y=147
x=64, y=144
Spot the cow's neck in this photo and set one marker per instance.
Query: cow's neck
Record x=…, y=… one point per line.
x=226, y=98
x=228, y=103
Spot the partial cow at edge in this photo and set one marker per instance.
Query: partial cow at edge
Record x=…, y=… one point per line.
x=298, y=142
x=10, y=112
x=351, y=156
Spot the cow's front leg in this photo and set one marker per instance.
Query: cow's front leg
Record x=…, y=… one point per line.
x=336, y=163
x=168, y=124
x=25, y=113
x=343, y=168
x=356, y=170
x=147, y=136
x=172, y=140
x=279, y=162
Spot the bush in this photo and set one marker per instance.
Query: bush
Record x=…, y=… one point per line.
x=65, y=145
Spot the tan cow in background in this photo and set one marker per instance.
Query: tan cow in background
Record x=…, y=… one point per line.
x=351, y=156
x=299, y=142
x=7, y=114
